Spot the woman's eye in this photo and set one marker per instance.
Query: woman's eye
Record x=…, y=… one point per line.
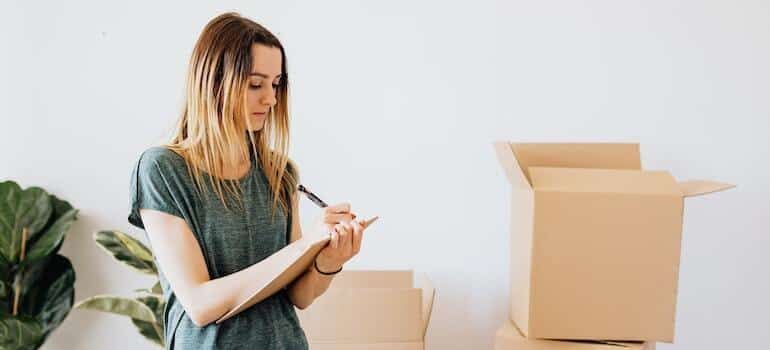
x=275, y=86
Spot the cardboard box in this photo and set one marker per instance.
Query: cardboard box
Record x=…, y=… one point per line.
x=370, y=310
x=595, y=241
x=509, y=337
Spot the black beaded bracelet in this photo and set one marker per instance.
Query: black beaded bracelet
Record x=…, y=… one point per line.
x=315, y=264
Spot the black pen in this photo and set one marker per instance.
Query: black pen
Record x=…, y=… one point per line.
x=322, y=204
x=312, y=196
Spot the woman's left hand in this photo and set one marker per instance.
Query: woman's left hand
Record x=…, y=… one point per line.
x=345, y=243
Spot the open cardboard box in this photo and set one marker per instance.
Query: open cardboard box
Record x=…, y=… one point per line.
x=595, y=241
x=370, y=310
x=509, y=337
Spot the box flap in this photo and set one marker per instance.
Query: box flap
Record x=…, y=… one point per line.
x=428, y=295
x=513, y=172
x=693, y=188
x=353, y=311
x=603, y=181
x=373, y=279
x=577, y=155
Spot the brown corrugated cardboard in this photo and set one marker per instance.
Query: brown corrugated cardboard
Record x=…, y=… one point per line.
x=508, y=337
x=284, y=266
x=595, y=241
x=370, y=310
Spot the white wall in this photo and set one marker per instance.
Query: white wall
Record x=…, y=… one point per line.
x=395, y=106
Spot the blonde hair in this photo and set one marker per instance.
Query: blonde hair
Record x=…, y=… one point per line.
x=211, y=131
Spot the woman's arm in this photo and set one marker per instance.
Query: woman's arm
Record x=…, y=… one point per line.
x=345, y=243
x=181, y=260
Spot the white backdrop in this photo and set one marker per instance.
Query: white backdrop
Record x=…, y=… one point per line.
x=395, y=106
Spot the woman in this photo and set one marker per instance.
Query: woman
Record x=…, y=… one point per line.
x=231, y=140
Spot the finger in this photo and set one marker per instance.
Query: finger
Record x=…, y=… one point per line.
x=337, y=218
x=344, y=236
x=338, y=208
x=369, y=222
x=334, y=243
x=358, y=233
x=350, y=231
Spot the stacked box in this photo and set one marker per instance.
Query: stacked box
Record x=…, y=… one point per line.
x=595, y=241
x=509, y=337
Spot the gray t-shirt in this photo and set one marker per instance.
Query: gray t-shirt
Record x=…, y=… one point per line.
x=230, y=241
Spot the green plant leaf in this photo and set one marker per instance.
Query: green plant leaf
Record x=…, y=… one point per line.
x=5, y=288
x=4, y=266
x=19, y=333
x=156, y=288
x=45, y=280
x=149, y=331
x=156, y=304
x=30, y=208
x=127, y=250
x=60, y=207
x=50, y=240
x=49, y=299
x=29, y=275
x=118, y=305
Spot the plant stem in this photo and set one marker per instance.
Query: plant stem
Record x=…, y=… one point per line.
x=17, y=278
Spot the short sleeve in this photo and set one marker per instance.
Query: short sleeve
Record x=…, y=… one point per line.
x=154, y=186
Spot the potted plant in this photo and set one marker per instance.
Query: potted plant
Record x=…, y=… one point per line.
x=36, y=283
x=145, y=309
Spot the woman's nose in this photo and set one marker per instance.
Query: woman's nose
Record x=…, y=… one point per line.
x=269, y=99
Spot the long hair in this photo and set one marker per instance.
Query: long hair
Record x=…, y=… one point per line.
x=211, y=132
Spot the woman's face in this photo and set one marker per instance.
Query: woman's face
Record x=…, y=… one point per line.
x=263, y=81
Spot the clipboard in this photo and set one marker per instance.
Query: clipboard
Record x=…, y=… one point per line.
x=285, y=266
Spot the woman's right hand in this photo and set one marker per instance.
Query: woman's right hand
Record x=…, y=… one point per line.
x=333, y=215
